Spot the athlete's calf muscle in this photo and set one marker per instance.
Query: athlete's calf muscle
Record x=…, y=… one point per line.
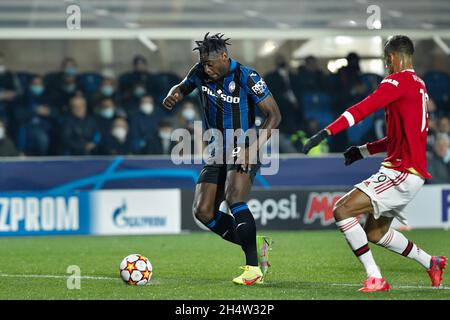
x=237, y=187
x=205, y=201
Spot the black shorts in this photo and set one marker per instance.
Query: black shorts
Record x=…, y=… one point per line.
x=217, y=173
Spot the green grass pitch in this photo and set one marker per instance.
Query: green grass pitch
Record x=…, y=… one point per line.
x=306, y=265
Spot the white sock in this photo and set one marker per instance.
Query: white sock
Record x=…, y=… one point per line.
x=397, y=242
x=357, y=239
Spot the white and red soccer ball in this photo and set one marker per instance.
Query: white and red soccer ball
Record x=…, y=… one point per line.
x=136, y=269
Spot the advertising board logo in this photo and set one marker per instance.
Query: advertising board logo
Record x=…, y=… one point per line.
x=271, y=209
x=320, y=207
x=445, y=204
x=33, y=214
x=123, y=219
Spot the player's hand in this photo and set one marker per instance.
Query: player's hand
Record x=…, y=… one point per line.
x=315, y=140
x=352, y=154
x=171, y=100
x=243, y=157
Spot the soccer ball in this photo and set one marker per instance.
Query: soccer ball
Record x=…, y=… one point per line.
x=136, y=269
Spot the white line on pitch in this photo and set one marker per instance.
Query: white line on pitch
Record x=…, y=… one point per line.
x=49, y=276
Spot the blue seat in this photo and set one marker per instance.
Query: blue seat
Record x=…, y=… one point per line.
x=25, y=78
x=165, y=81
x=438, y=87
x=356, y=133
x=371, y=81
x=317, y=105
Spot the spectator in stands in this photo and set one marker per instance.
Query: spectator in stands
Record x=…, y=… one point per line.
x=9, y=89
x=444, y=125
x=65, y=91
x=144, y=126
x=163, y=144
x=432, y=125
x=279, y=82
x=68, y=68
x=309, y=77
x=132, y=101
x=438, y=160
x=7, y=147
x=36, y=118
x=105, y=115
x=107, y=90
x=118, y=141
x=185, y=118
x=140, y=74
x=351, y=86
x=186, y=115
x=80, y=135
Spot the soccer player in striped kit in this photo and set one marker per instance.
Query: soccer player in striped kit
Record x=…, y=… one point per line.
x=385, y=194
x=229, y=93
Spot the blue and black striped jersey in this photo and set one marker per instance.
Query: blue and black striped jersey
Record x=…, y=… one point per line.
x=229, y=103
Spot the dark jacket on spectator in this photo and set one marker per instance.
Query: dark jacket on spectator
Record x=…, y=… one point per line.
x=438, y=169
x=7, y=148
x=143, y=130
x=77, y=133
x=111, y=146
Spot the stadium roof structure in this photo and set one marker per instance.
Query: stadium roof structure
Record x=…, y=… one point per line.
x=255, y=19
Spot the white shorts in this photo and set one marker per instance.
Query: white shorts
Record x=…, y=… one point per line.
x=390, y=192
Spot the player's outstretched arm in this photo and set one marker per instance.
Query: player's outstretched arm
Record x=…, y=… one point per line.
x=387, y=92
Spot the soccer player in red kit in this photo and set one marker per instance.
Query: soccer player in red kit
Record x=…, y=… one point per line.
x=385, y=194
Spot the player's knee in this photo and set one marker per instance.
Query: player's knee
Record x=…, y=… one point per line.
x=341, y=211
x=203, y=213
x=373, y=236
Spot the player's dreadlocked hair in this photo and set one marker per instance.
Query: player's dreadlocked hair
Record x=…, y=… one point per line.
x=212, y=44
x=400, y=44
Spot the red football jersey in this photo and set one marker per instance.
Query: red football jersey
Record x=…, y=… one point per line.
x=405, y=98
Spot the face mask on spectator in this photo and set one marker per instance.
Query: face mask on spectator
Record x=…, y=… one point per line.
x=165, y=134
x=37, y=90
x=139, y=91
x=188, y=114
x=119, y=133
x=2, y=133
x=447, y=157
x=107, y=113
x=147, y=108
x=71, y=71
x=107, y=90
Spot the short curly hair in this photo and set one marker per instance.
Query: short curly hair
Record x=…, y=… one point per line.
x=212, y=44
